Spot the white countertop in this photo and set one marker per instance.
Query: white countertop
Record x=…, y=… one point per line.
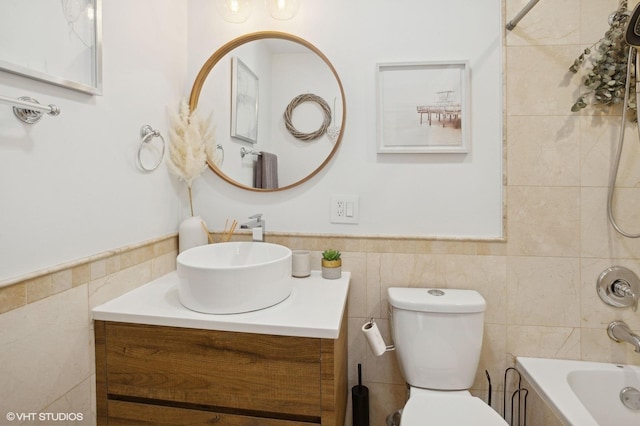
x=314, y=309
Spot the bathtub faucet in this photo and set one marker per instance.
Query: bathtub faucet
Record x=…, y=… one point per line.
x=620, y=332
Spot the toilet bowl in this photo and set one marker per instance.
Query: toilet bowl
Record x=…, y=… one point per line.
x=437, y=335
x=452, y=408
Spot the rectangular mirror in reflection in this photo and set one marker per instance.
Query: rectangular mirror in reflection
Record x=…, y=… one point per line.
x=244, y=102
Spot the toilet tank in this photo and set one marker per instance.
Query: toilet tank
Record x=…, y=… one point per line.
x=437, y=335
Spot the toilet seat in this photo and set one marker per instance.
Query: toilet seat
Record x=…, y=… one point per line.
x=448, y=409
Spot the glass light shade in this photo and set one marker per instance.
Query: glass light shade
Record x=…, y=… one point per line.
x=236, y=11
x=283, y=9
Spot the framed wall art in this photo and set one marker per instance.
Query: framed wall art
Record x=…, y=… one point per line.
x=58, y=42
x=244, y=102
x=423, y=107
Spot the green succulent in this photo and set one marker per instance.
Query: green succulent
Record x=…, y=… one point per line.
x=331, y=254
x=607, y=77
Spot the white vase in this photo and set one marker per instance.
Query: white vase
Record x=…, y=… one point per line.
x=191, y=233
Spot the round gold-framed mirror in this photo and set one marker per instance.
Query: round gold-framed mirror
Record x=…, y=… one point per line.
x=220, y=80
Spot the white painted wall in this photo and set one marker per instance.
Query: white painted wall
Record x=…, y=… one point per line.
x=410, y=194
x=69, y=185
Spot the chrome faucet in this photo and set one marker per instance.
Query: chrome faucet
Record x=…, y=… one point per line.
x=620, y=332
x=257, y=227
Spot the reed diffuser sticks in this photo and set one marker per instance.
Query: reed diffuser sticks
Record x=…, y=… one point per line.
x=206, y=231
x=226, y=235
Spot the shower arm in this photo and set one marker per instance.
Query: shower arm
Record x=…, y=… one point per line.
x=512, y=23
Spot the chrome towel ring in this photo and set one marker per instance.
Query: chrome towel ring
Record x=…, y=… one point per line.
x=148, y=133
x=219, y=158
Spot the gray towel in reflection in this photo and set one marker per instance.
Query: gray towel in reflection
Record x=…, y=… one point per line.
x=265, y=172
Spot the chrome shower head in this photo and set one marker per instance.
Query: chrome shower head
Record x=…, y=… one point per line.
x=632, y=33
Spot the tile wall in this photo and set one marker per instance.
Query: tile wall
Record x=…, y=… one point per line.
x=46, y=338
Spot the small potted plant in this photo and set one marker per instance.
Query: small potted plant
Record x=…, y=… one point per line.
x=331, y=264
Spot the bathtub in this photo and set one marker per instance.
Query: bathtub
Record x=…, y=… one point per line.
x=583, y=393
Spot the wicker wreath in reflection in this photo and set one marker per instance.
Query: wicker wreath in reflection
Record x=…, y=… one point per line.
x=307, y=97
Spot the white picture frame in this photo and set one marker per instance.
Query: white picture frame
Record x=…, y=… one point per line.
x=244, y=102
x=65, y=43
x=423, y=107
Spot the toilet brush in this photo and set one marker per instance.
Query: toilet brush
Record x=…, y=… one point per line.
x=360, y=401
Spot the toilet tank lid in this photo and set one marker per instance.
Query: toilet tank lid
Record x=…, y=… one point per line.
x=436, y=300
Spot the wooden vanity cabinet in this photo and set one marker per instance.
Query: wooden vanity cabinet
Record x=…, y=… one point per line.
x=155, y=375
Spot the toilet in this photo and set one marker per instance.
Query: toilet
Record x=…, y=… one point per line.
x=437, y=335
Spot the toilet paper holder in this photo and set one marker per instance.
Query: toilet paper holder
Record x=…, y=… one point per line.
x=374, y=338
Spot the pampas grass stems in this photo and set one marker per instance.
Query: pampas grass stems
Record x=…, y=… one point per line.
x=192, y=140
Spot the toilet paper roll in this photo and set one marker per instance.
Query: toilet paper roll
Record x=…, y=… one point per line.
x=374, y=338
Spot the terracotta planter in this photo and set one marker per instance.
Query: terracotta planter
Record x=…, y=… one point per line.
x=331, y=269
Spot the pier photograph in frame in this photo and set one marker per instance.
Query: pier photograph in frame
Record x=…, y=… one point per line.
x=422, y=107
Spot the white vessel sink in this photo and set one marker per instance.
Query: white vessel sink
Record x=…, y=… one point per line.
x=234, y=277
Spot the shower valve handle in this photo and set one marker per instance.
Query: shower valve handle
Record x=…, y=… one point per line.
x=619, y=287
x=623, y=289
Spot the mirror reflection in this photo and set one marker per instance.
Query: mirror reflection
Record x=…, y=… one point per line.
x=278, y=109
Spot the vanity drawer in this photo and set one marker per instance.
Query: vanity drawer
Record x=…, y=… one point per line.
x=130, y=413
x=242, y=373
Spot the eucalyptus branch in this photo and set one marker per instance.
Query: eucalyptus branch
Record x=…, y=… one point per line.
x=607, y=77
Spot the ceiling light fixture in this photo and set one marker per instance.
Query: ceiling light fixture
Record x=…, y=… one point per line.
x=283, y=9
x=236, y=11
